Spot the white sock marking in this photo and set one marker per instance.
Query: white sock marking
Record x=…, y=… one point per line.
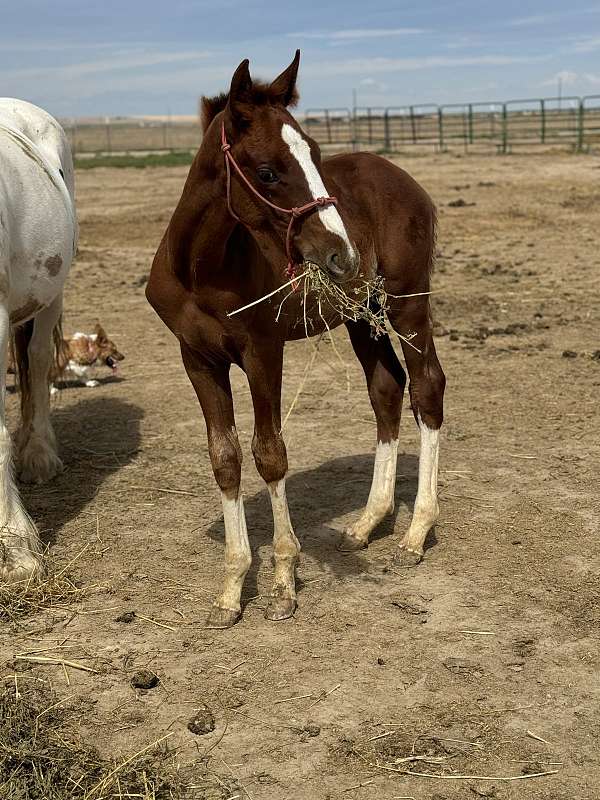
x=285, y=545
x=328, y=215
x=426, y=508
x=237, y=550
x=381, y=496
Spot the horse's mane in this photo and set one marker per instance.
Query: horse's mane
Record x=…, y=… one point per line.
x=262, y=95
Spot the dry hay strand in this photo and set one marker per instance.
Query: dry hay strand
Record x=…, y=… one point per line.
x=31, y=595
x=368, y=300
x=23, y=598
x=446, y=745
x=38, y=762
x=40, y=759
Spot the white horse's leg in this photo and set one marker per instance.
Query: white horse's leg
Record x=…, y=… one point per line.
x=20, y=549
x=38, y=458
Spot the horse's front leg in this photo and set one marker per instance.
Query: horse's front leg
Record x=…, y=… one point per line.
x=212, y=386
x=264, y=377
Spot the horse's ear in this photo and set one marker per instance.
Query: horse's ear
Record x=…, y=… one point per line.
x=284, y=85
x=240, y=94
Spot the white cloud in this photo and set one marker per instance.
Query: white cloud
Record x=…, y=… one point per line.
x=115, y=62
x=551, y=16
x=587, y=45
x=375, y=86
x=353, y=34
x=376, y=65
x=565, y=76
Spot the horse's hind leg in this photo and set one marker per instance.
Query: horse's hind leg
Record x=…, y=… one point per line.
x=38, y=460
x=426, y=388
x=385, y=381
x=20, y=548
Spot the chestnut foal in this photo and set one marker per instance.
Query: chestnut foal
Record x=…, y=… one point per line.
x=256, y=195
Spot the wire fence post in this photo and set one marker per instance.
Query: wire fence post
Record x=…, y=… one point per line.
x=413, y=126
x=470, y=119
x=386, y=130
x=328, y=125
x=441, y=128
x=504, y=129
x=580, y=124
x=108, y=139
x=543, y=120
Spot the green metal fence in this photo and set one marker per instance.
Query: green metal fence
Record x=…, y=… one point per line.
x=571, y=122
x=116, y=135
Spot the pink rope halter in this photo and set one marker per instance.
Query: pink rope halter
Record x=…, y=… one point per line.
x=294, y=213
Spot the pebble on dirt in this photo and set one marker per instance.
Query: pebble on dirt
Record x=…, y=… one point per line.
x=126, y=617
x=460, y=203
x=202, y=722
x=144, y=679
x=569, y=354
x=311, y=729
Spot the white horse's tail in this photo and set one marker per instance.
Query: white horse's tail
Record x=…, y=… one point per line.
x=20, y=339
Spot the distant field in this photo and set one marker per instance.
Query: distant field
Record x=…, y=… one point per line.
x=173, y=159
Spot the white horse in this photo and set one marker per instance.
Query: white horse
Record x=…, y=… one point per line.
x=38, y=239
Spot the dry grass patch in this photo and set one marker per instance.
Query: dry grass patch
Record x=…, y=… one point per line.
x=41, y=759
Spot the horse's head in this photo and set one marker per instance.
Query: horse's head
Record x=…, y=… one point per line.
x=283, y=165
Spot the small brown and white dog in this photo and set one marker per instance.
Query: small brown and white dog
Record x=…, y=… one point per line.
x=83, y=351
x=77, y=356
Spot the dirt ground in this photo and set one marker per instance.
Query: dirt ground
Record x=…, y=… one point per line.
x=484, y=659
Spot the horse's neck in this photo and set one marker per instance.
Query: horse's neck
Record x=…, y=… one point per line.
x=200, y=226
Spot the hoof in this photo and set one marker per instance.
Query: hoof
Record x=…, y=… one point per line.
x=222, y=618
x=39, y=466
x=349, y=544
x=407, y=558
x=21, y=566
x=280, y=608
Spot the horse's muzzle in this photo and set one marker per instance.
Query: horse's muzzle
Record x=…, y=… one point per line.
x=341, y=266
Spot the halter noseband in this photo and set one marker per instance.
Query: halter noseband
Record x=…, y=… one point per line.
x=295, y=213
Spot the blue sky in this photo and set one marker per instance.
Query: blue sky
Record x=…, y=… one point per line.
x=78, y=58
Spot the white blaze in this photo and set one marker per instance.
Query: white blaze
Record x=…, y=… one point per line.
x=328, y=215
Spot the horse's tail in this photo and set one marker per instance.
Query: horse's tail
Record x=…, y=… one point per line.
x=21, y=339
x=61, y=352
x=20, y=357
x=434, y=237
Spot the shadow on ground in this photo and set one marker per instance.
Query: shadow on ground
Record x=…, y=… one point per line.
x=96, y=438
x=317, y=498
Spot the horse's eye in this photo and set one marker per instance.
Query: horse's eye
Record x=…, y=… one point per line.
x=267, y=175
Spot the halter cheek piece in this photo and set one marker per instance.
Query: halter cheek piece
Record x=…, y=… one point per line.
x=294, y=213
